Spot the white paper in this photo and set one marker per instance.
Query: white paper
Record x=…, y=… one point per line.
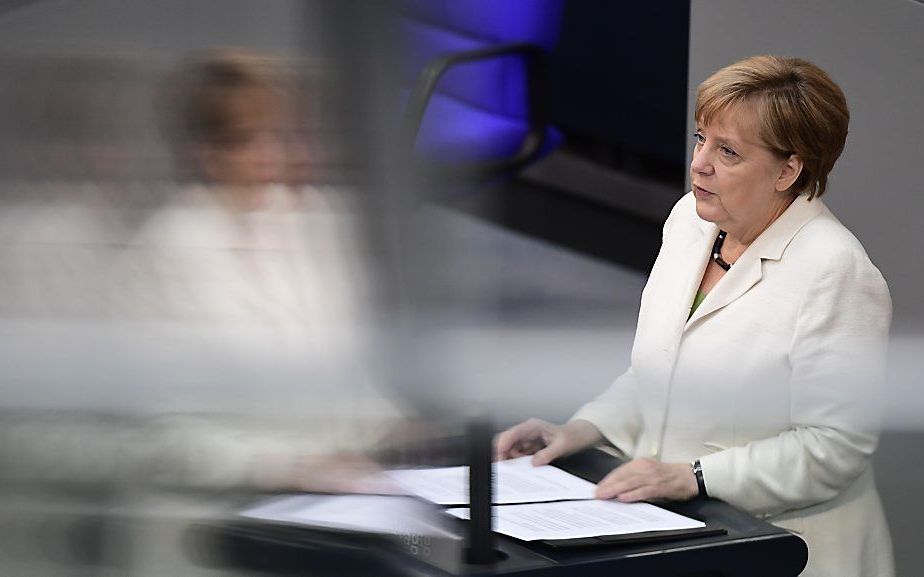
x=366, y=513
x=575, y=519
x=516, y=481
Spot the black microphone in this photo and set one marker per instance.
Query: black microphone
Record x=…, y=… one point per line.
x=481, y=540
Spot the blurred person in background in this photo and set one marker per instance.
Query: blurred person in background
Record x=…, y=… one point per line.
x=225, y=332
x=759, y=355
x=264, y=282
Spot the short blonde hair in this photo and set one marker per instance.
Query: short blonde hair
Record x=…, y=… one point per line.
x=213, y=86
x=799, y=110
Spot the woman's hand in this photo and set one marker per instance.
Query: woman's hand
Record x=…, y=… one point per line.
x=646, y=480
x=331, y=473
x=545, y=441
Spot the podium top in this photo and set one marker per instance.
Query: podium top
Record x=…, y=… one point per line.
x=736, y=544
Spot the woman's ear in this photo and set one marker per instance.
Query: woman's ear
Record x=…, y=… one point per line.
x=790, y=173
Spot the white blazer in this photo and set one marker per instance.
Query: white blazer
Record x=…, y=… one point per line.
x=774, y=382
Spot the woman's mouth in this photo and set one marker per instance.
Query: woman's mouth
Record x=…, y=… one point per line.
x=700, y=192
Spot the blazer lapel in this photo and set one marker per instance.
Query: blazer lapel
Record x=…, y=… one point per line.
x=770, y=245
x=694, y=262
x=743, y=275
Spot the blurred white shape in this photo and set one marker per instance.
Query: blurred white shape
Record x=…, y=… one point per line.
x=230, y=337
x=392, y=515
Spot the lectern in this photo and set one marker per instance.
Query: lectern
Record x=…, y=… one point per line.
x=746, y=547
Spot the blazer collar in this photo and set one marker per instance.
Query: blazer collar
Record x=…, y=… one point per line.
x=747, y=270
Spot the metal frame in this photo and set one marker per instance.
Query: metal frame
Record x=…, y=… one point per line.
x=537, y=103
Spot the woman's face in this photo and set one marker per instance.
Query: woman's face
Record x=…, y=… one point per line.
x=740, y=184
x=256, y=151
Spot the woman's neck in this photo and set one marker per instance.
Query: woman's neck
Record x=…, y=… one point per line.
x=240, y=199
x=741, y=236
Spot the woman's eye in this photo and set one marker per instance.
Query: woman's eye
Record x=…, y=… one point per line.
x=700, y=139
x=728, y=152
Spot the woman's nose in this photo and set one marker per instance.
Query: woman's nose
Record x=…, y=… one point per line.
x=700, y=163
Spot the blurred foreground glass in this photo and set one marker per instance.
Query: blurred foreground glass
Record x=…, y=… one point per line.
x=184, y=320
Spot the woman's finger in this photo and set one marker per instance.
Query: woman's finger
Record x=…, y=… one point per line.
x=644, y=493
x=521, y=440
x=621, y=480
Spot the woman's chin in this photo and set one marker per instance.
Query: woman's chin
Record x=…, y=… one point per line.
x=705, y=210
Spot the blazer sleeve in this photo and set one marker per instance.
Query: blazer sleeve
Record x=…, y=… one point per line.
x=837, y=359
x=616, y=413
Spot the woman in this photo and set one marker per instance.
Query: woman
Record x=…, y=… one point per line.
x=761, y=336
x=251, y=287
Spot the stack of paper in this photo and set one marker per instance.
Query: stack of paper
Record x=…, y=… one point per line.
x=516, y=481
x=541, y=502
x=534, y=503
x=575, y=519
x=384, y=514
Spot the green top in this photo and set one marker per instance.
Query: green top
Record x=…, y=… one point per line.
x=697, y=300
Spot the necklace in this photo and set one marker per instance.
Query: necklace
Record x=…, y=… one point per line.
x=717, y=251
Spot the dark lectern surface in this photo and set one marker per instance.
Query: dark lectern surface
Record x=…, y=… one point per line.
x=749, y=548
